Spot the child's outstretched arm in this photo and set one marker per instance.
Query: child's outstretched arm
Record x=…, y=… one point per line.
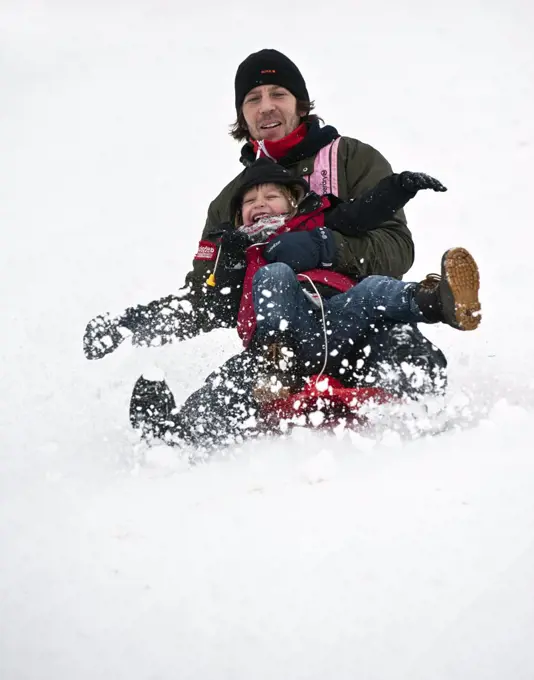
x=379, y=203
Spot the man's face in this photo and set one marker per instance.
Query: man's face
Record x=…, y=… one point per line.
x=270, y=112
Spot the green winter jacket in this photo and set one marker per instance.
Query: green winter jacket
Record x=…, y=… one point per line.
x=388, y=250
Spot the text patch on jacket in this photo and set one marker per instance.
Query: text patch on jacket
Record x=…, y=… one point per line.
x=206, y=251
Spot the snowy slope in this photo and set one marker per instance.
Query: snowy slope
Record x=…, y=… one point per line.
x=315, y=557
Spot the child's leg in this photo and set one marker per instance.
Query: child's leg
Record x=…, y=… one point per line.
x=282, y=307
x=376, y=298
x=450, y=298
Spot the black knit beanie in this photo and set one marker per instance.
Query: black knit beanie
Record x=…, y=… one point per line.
x=264, y=171
x=268, y=67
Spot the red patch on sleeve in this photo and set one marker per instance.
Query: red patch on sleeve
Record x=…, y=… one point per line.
x=206, y=251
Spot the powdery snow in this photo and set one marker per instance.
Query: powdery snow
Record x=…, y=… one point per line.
x=407, y=552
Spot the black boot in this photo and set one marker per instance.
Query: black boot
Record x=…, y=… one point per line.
x=151, y=407
x=452, y=298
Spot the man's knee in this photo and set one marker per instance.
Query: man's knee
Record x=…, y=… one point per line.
x=409, y=363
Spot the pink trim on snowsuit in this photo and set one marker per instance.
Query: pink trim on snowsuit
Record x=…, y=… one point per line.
x=324, y=178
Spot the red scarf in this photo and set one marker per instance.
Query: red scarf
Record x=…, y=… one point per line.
x=279, y=148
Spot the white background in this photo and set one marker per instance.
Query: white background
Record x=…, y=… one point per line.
x=372, y=557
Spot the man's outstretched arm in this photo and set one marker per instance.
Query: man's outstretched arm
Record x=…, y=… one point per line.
x=380, y=203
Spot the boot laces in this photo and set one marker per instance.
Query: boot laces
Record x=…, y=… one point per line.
x=430, y=282
x=278, y=355
x=275, y=380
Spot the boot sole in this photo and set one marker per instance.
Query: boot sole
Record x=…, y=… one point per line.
x=460, y=281
x=151, y=406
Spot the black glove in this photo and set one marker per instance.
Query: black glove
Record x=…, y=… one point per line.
x=415, y=181
x=103, y=335
x=303, y=250
x=233, y=244
x=157, y=323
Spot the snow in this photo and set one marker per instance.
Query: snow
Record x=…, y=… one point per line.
x=406, y=554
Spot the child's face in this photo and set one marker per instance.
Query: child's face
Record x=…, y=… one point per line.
x=264, y=200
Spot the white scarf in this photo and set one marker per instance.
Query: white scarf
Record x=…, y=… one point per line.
x=259, y=231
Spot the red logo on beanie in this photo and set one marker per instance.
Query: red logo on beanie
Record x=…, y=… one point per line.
x=268, y=70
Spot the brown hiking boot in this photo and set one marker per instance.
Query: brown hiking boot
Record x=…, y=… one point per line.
x=279, y=374
x=452, y=297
